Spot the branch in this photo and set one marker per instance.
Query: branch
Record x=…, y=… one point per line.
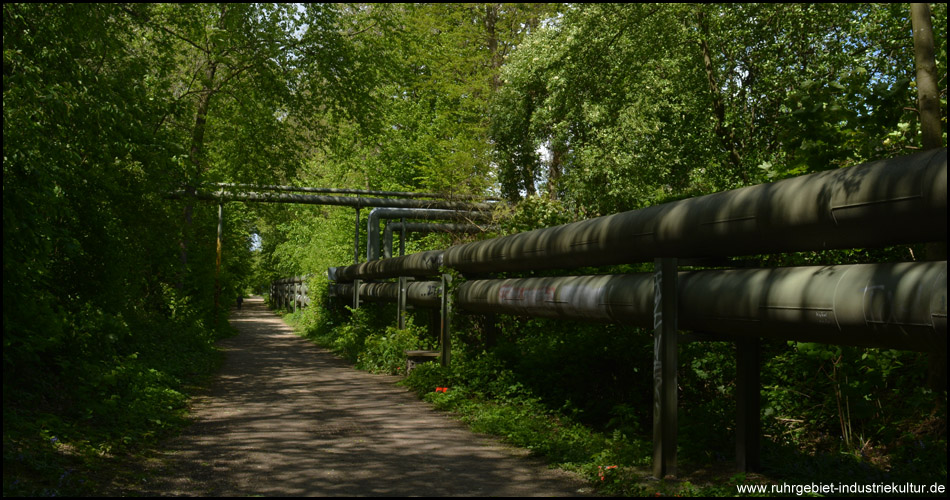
x=231, y=76
x=148, y=20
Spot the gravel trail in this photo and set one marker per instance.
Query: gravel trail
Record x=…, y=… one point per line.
x=287, y=418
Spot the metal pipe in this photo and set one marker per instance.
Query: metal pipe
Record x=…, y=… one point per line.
x=419, y=227
x=375, y=215
x=419, y=264
x=898, y=306
x=292, y=291
x=418, y=293
x=886, y=202
x=400, y=194
x=309, y=199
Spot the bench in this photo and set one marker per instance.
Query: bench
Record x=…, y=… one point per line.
x=413, y=358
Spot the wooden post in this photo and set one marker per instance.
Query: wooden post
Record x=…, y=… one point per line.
x=664, y=368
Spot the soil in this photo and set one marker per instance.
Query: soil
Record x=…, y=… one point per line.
x=287, y=418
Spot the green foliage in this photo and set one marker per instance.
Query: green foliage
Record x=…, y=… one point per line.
x=578, y=110
x=351, y=336
x=385, y=352
x=105, y=319
x=100, y=407
x=534, y=212
x=613, y=107
x=854, y=398
x=491, y=399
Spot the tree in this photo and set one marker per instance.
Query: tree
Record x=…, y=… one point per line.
x=614, y=107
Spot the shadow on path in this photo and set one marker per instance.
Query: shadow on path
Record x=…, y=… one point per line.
x=286, y=417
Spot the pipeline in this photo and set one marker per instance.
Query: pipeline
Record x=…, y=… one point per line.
x=900, y=200
x=896, y=305
x=345, y=201
x=291, y=292
x=375, y=215
x=419, y=264
x=418, y=293
x=398, y=194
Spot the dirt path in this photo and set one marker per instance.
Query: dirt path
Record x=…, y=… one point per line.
x=286, y=418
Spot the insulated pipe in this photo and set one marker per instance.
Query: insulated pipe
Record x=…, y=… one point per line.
x=898, y=306
x=886, y=202
x=418, y=293
x=418, y=227
x=372, y=224
x=291, y=291
x=398, y=194
x=417, y=265
x=345, y=201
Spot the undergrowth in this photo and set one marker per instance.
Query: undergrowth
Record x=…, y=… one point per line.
x=66, y=431
x=581, y=397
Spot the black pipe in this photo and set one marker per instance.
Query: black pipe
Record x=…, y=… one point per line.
x=901, y=200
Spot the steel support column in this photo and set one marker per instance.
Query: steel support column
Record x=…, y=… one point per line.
x=401, y=303
x=748, y=405
x=664, y=368
x=445, y=339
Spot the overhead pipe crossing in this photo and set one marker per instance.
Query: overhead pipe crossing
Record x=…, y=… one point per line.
x=397, y=194
x=344, y=201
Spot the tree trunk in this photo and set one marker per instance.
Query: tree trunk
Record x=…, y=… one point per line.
x=491, y=20
x=196, y=150
x=554, y=170
x=726, y=134
x=928, y=105
x=928, y=98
